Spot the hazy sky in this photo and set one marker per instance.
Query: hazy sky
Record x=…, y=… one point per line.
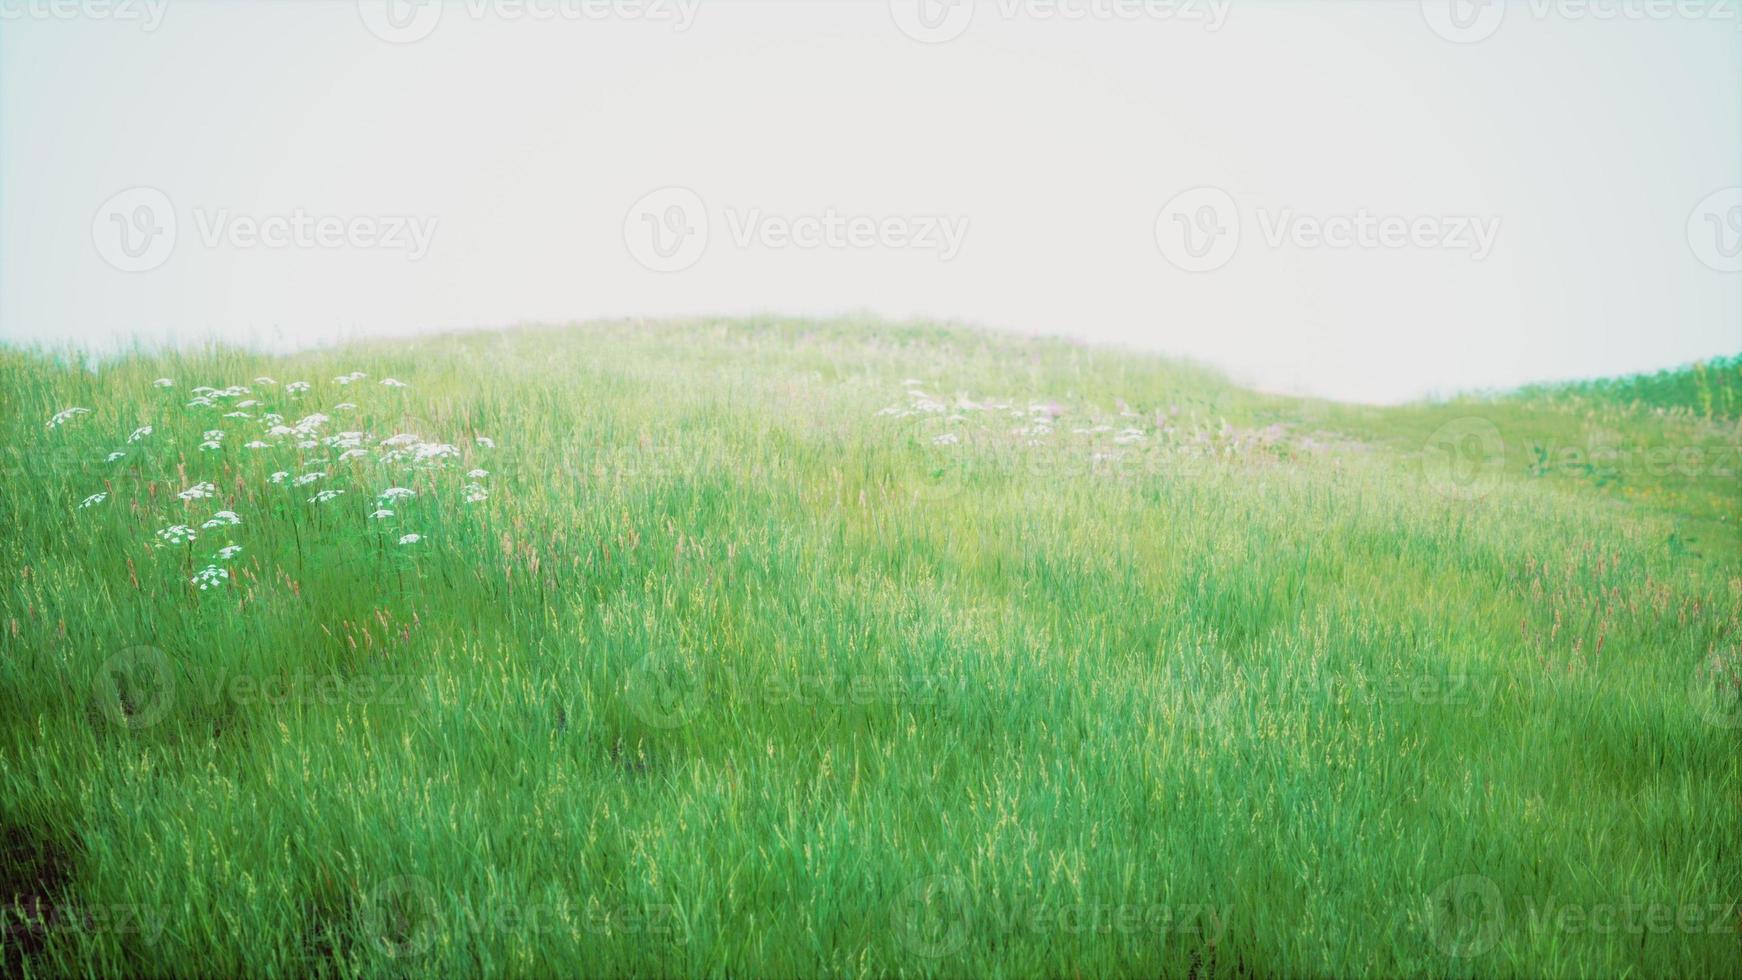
x=1368, y=199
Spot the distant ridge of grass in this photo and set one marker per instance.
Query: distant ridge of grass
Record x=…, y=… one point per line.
x=1712, y=388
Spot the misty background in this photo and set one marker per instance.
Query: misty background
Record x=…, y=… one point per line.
x=1364, y=199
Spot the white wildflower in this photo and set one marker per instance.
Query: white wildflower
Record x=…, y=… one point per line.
x=297, y=387
x=117, y=454
x=426, y=451
x=411, y=539
x=197, y=491
x=139, y=433
x=256, y=444
x=478, y=474
x=346, y=406
x=201, y=402
x=223, y=518
x=211, y=575
x=487, y=442
x=324, y=496
x=947, y=439
x=229, y=551
x=93, y=500
x=66, y=415
x=475, y=492
x=176, y=534
x=264, y=380
x=381, y=514
x=307, y=478
x=279, y=477
x=397, y=493
x=164, y=383
x=394, y=383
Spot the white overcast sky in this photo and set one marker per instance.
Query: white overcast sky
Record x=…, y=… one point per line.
x=523, y=137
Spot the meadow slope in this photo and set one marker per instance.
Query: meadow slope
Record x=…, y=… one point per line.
x=797, y=648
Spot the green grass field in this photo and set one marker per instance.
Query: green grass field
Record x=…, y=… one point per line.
x=793, y=649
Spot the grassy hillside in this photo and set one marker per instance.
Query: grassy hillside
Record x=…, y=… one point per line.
x=1713, y=388
x=787, y=648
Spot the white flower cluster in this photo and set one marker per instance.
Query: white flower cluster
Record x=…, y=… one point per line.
x=210, y=577
x=176, y=534
x=420, y=455
x=66, y=415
